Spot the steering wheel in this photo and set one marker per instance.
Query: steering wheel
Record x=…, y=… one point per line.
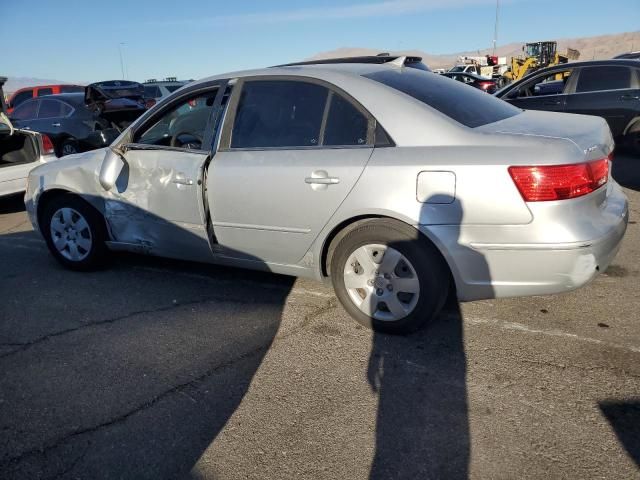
x=192, y=141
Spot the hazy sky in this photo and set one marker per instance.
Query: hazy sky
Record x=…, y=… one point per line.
x=79, y=40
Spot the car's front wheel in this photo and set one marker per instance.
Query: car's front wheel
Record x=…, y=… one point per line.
x=387, y=277
x=74, y=233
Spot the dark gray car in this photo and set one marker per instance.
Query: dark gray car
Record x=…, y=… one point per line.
x=77, y=122
x=606, y=88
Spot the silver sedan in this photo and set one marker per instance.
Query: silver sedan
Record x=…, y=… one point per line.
x=397, y=185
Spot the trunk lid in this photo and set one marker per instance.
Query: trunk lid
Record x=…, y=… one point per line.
x=589, y=134
x=118, y=101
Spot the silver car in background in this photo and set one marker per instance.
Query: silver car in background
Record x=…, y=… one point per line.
x=396, y=184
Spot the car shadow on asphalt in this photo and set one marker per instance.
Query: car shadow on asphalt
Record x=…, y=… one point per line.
x=422, y=426
x=624, y=418
x=12, y=204
x=127, y=372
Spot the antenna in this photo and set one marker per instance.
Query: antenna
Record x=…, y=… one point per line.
x=122, y=69
x=495, y=30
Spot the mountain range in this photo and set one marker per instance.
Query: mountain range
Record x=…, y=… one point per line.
x=590, y=48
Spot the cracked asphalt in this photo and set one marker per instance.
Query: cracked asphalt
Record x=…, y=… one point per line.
x=157, y=369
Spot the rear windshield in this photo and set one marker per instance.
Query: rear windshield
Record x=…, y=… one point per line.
x=464, y=104
x=172, y=88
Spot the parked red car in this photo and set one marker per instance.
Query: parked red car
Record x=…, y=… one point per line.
x=28, y=93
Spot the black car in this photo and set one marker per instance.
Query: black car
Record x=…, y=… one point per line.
x=77, y=122
x=483, y=83
x=629, y=55
x=606, y=88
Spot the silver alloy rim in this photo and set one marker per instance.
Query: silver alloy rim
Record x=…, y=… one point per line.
x=381, y=282
x=71, y=234
x=68, y=149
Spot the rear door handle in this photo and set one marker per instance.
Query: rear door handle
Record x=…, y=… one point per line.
x=552, y=102
x=55, y=124
x=322, y=180
x=629, y=98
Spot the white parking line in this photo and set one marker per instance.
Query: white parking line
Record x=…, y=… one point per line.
x=519, y=327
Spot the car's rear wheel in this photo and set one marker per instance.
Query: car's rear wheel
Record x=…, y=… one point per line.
x=74, y=232
x=387, y=277
x=632, y=141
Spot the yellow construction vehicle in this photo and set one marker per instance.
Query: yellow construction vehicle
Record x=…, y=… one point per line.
x=538, y=55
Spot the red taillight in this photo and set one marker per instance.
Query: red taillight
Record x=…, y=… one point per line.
x=47, y=145
x=485, y=85
x=560, y=182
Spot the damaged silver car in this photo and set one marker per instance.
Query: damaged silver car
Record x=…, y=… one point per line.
x=395, y=184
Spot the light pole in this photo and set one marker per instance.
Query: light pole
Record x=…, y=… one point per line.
x=495, y=30
x=124, y=77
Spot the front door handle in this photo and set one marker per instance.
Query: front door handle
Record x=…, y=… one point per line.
x=629, y=98
x=55, y=124
x=552, y=102
x=180, y=179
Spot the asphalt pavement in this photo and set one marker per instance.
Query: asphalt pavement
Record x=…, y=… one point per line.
x=154, y=369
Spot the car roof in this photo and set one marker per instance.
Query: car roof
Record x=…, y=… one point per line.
x=592, y=63
x=324, y=71
x=76, y=98
x=25, y=89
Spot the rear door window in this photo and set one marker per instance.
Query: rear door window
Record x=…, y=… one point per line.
x=468, y=106
x=53, y=109
x=279, y=113
x=44, y=91
x=595, y=79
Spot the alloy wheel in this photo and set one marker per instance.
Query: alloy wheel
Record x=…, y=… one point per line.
x=71, y=234
x=381, y=282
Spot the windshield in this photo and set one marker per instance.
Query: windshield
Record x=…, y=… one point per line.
x=466, y=105
x=533, y=50
x=459, y=68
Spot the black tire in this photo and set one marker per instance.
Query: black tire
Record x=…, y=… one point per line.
x=431, y=269
x=68, y=147
x=92, y=258
x=632, y=143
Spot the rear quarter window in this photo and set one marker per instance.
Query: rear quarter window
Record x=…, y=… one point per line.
x=464, y=104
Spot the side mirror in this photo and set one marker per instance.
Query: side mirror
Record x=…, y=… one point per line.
x=112, y=165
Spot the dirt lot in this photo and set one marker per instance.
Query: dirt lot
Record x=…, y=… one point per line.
x=156, y=369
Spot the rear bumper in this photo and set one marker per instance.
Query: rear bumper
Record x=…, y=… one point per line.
x=491, y=270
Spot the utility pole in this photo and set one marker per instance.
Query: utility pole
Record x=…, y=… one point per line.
x=495, y=30
x=122, y=60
